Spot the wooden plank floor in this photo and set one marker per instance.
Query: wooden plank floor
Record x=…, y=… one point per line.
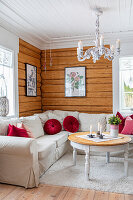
x=50, y=192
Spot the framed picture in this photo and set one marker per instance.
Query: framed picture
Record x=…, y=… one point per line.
x=31, y=80
x=75, y=81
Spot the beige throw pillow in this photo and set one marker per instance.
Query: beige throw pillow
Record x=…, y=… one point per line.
x=34, y=125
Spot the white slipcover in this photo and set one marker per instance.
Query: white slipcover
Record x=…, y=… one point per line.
x=23, y=160
x=58, y=138
x=86, y=120
x=19, y=161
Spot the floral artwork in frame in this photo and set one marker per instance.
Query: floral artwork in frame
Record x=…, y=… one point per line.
x=75, y=82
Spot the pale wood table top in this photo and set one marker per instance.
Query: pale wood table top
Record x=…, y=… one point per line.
x=124, y=140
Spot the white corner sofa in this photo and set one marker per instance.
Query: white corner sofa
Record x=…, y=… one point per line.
x=24, y=160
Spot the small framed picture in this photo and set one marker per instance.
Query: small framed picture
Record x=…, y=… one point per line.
x=75, y=81
x=31, y=80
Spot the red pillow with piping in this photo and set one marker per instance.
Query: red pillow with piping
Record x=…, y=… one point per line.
x=128, y=128
x=122, y=124
x=17, y=132
x=71, y=124
x=52, y=126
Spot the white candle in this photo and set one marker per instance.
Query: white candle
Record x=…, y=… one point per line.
x=100, y=129
x=112, y=48
x=118, y=44
x=77, y=51
x=98, y=126
x=101, y=40
x=80, y=45
x=90, y=129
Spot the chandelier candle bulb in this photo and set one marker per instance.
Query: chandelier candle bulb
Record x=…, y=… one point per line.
x=80, y=45
x=118, y=44
x=90, y=129
x=112, y=48
x=101, y=40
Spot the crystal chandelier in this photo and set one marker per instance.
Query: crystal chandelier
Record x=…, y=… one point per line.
x=99, y=49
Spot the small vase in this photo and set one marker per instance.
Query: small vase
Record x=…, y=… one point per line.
x=114, y=129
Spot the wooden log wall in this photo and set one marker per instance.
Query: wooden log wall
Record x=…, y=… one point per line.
x=98, y=83
x=32, y=55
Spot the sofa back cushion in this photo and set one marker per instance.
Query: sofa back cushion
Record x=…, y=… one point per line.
x=43, y=117
x=33, y=123
x=57, y=117
x=4, y=123
x=60, y=115
x=86, y=120
x=66, y=113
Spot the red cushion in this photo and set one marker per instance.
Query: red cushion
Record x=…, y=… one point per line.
x=121, y=125
x=128, y=128
x=52, y=126
x=71, y=124
x=15, y=131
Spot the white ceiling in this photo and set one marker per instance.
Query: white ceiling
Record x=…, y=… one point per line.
x=61, y=23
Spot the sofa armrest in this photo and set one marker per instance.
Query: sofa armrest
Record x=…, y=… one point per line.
x=17, y=145
x=19, y=161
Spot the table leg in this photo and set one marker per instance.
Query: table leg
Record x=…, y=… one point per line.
x=126, y=159
x=107, y=157
x=87, y=164
x=74, y=156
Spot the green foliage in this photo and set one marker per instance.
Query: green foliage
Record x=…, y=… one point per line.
x=115, y=120
x=127, y=88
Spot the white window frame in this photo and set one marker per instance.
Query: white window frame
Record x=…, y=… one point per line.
x=123, y=110
x=14, y=80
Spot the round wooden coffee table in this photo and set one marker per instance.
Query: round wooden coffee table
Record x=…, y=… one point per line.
x=106, y=146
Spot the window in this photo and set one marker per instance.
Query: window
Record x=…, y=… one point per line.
x=126, y=84
x=7, y=78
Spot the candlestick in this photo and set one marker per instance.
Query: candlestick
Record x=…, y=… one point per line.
x=90, y=129
x=98, y=126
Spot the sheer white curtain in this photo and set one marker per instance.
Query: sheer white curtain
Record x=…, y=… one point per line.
x=7, y=77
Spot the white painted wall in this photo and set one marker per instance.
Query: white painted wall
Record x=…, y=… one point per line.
x=126, y=50
x=11, y=41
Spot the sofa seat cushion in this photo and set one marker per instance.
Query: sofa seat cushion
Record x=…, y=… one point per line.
x=45, y=148
x=86, y=120
x=58, y=138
